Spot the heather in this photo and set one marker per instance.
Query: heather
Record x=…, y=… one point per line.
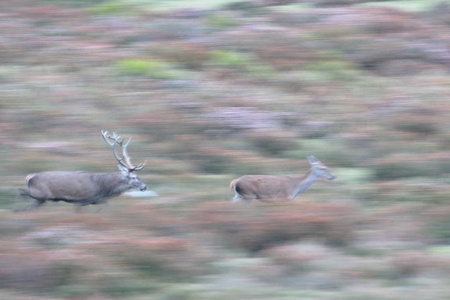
x=209, y=92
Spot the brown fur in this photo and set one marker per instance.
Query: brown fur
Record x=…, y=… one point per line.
x=264, y=187
x=233, y=183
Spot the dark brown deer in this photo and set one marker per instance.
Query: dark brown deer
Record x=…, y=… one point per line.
x=84, y=188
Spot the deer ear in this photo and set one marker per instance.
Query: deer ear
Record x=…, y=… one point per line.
x=312, y=159
x=123, y=170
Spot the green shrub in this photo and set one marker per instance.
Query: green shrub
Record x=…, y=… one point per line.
x=241, y=5
x=237, y=61
x=229, y=59
x=221, y=21
x=326, y=3
x=124, y=287
x=395, y=170
x=189, y=55
x=141, y=67
x=273, y=144
x=419, y=127
x=333, y=69
x=167, y=28
x=7, y=198
x=110, y=8
x=440, y=229
x=211, y=163
x=76, y=3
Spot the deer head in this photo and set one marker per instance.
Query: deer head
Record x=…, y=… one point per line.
x=319, y=169
x=125, y=166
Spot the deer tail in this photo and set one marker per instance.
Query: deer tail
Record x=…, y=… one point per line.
x=28, y=178
x=233, y=183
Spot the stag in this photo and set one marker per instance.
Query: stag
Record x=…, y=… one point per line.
x=84, y=188
x=278, y=188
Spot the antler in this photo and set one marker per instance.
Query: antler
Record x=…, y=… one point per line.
x=116, y=140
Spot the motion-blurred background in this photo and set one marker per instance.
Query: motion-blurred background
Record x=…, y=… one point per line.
x=210, y=91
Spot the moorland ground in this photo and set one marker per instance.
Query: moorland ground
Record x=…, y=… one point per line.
x=210, y=93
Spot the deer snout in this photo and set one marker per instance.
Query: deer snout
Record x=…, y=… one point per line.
x=144, y=188
x=331, y=177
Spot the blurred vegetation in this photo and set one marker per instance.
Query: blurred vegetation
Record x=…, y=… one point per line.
x=139, y=67
x=210, y=91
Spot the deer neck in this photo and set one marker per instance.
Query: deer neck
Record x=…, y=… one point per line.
x=304, y=183
x=113, y=184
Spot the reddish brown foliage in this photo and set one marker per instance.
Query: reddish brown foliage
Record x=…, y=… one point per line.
x=259, y=227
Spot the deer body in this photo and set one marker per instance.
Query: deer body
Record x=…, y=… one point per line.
x=281, y=187
x=83, y=188
x=78, y=187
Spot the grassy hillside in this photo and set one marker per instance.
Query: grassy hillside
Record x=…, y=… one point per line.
x=210, y=93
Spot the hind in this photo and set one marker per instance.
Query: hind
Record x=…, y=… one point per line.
x=234, y=185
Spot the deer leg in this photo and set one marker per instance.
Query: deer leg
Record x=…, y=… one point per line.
x=237, y=197
x=100, y=206
x=80, y=204
x=36, y=204
x=247, y=198
x=33, y=202
x=78, y=207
